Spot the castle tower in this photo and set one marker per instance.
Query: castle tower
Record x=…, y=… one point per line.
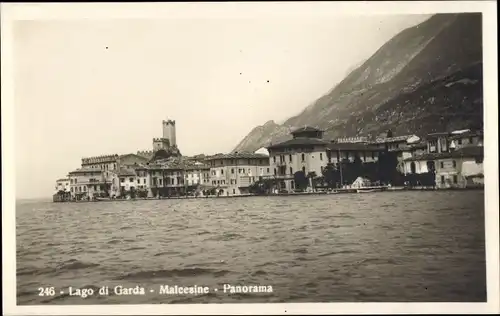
x=160, y=143
x=169, y=131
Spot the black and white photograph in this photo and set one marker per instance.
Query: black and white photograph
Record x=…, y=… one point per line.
x=250, y=155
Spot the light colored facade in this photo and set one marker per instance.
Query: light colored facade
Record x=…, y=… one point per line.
x=306, y=152
x=197, y=174
x=63, y=185
x=86, y=182
x=143, y=179
x=460, y=168
x=103, y=162
x=234, y=173
x=169, y=132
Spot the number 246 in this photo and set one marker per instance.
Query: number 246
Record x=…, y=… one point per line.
x=46, y=291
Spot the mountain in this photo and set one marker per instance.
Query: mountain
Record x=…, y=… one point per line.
x=425, y=79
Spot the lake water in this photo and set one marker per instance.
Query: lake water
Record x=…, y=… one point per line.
x=378, y=247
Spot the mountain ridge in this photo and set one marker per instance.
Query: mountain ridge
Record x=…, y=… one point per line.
x=388, y=89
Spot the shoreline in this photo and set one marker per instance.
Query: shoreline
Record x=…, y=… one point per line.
x=338, y=191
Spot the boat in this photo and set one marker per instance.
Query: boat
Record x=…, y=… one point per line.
x=368, y=190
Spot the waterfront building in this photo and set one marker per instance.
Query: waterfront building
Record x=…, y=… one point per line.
x=232, y=174
x=63, y=185
x=458, y=168
x=128, y=181
x=142, y=177
x=306, y=152
x=166, y=178
x=197, y=174
x=86, y=183
x=348, y=151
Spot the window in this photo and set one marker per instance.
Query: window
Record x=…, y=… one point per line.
x=454, y=164
x=122, y=180
x=290, y=158
x=267, y=170
x=441, y=164
x=234, y=191
x=131, y=179
x=303, y=157
x=291, y=170
x=460, y=141
x=139, y=181
x=274, y=159
x=274, y=171
x=321, y=169
x=455, y=179
x=442, y=179
x=320, y=156
x=144, y=181
x=222, y=171
x=304, y=169
x=160, y=181
x=470, y=140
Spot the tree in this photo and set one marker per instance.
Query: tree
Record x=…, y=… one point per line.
x=331, y=175
x=388, y=162
x=142, y=193
x=132, y=193
x=122, y=192
x=357, y=167
x=300, y=179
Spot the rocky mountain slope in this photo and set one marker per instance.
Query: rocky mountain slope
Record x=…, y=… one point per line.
x=427, y=78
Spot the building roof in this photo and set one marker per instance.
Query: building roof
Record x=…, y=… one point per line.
x=263, y=151
x=123, y=172
x=468, y=152
x=306, y=129
x=299, y=141
x=86, y=169
x=62, y=179
x=238, y=155
x=353, y=146
x=395, y=139
x=437, y=134
x=466, y=134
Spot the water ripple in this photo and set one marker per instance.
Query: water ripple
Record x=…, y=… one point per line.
x=406, y=246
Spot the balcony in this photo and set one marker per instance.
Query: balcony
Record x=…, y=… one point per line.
x=281, y=163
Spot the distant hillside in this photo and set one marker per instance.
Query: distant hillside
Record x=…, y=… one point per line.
x=426, y=78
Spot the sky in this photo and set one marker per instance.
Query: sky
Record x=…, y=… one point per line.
x=96, y=87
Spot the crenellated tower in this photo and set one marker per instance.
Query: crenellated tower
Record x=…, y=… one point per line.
x=169, y=131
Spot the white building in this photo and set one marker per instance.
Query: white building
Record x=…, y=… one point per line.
x=63, y=185
x=232, y=174
x=306, y=152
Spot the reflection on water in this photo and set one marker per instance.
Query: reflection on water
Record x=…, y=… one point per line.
x=380, y=247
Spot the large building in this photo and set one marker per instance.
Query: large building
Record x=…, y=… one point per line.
x=306, y=152
x=233, y=174
x=456, y=158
